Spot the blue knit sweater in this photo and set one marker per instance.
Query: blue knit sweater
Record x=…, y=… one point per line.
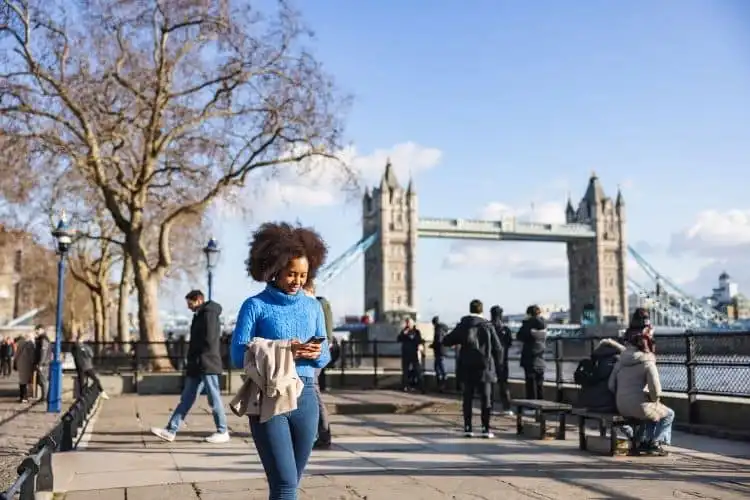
x=275, y=315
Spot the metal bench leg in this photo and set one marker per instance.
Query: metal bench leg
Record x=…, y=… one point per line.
x=561, y=420
x=519, y=420
x=582, y=433
x=542, y=425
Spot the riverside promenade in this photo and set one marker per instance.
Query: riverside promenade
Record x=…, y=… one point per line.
x=387, y=445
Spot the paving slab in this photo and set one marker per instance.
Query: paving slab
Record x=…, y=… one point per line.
x=22, y=425
x=415, y=456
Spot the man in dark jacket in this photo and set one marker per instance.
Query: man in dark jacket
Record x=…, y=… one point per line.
x=506, y=340
x=203, y=369
x=83, y=357
x=481, y=360
x=411, y=342
x=323, y=442
x=42, y=358
x=438, y=351
x=533, y=335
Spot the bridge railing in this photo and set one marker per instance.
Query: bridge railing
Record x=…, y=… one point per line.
x=35, y=471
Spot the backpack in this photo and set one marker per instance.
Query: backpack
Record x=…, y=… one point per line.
x=585, y=374
x=472, y=356
x=592, y=374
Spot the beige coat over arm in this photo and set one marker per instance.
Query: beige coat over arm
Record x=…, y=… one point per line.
x=634, y=371
x=271, y=385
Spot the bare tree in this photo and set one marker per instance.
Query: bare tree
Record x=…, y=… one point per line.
x=162, y=107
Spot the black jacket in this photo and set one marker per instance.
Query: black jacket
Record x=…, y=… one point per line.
x=441, y=329
x=489, y=345
x=505, y=336
x=410, y=342
x=83, y=357
x=533, y=335
x=204, y=350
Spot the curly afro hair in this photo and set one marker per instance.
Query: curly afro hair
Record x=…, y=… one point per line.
x=275, y=244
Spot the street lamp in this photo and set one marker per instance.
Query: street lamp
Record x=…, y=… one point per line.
x=64, y=237
x=212, y=255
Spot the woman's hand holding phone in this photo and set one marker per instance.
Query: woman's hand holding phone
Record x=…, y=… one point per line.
x=307, y=350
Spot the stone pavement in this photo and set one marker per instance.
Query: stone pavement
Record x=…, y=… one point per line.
x=418, y=455
x=21, y=427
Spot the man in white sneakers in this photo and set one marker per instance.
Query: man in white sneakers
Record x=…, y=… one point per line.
x=203, y=370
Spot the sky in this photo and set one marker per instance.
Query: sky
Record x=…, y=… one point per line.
x=507, y=107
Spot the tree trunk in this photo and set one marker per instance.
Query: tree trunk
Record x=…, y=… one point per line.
x=149, y=322
x=96, y=302
x=106, y=309
x=123, y=325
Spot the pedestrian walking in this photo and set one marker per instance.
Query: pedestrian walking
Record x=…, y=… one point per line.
x=42, y=358
x=285, y=257
x=23, y=363
x=83, y=357
x=7, y=352
x=202, y=371
x=480, y=362
x=506, y=340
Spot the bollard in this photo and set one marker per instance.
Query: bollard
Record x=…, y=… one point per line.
x=67, y=437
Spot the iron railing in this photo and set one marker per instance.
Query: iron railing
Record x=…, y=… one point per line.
x=692, y=363
x=35, y=471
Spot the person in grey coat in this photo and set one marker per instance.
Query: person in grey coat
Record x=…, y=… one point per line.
x=533, y=337
x=635, y=370
x=42, y=358
x=84, y=361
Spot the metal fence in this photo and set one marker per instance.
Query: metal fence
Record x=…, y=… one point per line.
x=692, y=363
x=35, y=471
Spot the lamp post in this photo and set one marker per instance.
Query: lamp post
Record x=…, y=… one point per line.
x=212, y=254
x=63, y=235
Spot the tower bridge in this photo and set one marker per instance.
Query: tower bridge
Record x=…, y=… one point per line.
x=594, y=234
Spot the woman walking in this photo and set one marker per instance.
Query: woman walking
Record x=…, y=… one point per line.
x=285, y=257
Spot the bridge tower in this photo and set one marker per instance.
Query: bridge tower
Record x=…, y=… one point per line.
x=390, y=272
x=597, y=274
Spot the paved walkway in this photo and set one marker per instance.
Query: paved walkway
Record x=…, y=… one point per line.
x=21, y=427
x=416, y=456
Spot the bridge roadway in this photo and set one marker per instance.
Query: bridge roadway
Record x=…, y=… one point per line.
x=416, y=454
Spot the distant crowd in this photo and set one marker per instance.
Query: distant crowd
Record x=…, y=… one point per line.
x=612, y=380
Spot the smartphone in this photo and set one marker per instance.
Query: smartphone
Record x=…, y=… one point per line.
x=316, y=340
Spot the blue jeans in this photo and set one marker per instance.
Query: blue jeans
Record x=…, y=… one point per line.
x=439, y=370
x=661, y=431
x=193, y=386
x=285, y=442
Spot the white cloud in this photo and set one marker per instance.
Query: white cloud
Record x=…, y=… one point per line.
x=324, y=182
x=715, y=234
x=519, y=260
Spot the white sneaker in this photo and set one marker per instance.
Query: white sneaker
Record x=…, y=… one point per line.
x=218, y=438
x=104, y=395
x=488, y=434
x=163, y=434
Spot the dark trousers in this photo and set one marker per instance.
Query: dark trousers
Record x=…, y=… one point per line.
x=411, y=372
x=503, y=388
x=471, y=387
x=5, y=367
x=83, y=378
x=440, y=374
x=324, y=426
x=322, y=383
x=534, y=383
x=23, y=392
x=285, y=442
x=42, y=375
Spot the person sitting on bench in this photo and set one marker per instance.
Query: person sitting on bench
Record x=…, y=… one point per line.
x=636, y=369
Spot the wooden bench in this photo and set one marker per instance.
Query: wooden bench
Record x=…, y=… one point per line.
x=608, y=424
x=542, y=408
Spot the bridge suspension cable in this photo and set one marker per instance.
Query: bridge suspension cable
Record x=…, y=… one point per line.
x=341, y=263
x=678, y=298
